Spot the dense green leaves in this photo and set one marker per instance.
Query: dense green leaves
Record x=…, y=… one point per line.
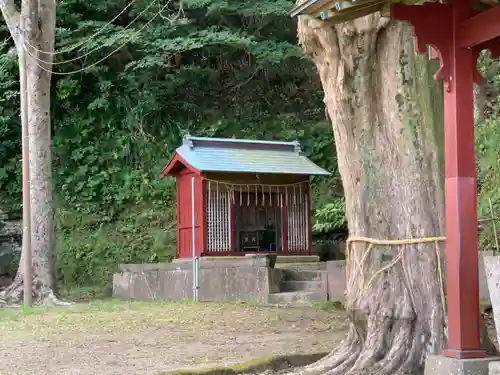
x=214, y=68
x=208, y=67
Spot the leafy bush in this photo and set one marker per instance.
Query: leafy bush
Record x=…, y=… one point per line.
x=330, y=218
x=219, y=69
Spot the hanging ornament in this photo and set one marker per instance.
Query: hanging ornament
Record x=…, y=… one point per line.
x=270, y=196
x=241, y=195
x=294, y=196
x=248, y=195
x=256, y=195
x=286, y=195
x=300, y=194
x=263, y=195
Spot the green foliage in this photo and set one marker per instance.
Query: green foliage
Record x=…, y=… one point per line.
x=330, y=218
x=488, y=166
x=488, y=159
x=212, y=68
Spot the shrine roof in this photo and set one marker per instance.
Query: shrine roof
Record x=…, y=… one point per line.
x=337, y=11
x=242, y=156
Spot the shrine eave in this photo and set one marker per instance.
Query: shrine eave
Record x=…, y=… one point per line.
x=336, y=11
x=480, y=29
x=475, y=31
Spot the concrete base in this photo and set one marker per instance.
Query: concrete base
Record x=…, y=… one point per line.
x=495, y=367
x=440, y=365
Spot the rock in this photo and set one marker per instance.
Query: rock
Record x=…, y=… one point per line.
x=10, y=244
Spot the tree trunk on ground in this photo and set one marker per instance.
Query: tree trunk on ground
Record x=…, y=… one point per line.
x=39, y=34
x=387, y=118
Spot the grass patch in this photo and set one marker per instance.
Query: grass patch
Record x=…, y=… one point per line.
x=160, y=336
x=329, y=306
x=112, y=315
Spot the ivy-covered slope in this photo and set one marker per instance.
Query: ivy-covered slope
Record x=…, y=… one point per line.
x=210, y=68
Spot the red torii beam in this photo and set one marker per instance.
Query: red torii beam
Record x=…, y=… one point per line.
x=457, y=34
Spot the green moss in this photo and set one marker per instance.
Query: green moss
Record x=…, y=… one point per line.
x=329, y=305
x=252, y=365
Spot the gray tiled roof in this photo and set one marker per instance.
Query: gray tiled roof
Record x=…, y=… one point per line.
x=237, y=155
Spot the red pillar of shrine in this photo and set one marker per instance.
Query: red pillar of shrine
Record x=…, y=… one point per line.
x=457, y=36
x=461, y=197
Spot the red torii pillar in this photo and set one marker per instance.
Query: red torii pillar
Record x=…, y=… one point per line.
x=457, y=34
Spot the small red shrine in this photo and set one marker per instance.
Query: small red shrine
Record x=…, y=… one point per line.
x=249, y=197
x=457, y=31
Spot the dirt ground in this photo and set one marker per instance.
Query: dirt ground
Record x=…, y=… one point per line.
x=135, y=338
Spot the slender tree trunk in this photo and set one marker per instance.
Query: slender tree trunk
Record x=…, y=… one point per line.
x=387, y=118
x=40, y=34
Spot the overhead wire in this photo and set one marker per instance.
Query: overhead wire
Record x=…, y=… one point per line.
x=100, y=60
x=93, y=49
x=86, y=40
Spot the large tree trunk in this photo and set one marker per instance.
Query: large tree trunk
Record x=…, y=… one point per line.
x=387, y=118
x=40, y=34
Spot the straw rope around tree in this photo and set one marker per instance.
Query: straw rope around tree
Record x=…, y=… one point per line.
x=352, y=259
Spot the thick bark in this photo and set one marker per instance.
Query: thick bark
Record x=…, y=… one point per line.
x=386, y=112
x=39, y=34
x=387, y=118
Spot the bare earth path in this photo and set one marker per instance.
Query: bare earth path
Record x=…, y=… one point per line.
x=136, y=338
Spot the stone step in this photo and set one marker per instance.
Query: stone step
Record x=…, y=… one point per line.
x=302, y=275
x=298, y=286
x=296, y=298
x=318, y=266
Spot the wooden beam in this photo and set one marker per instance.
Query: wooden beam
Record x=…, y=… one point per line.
x=335, y=17
x=462, y=285
x=479, y=29
x=310, y=7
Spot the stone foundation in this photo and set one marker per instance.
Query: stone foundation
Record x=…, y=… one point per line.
x=248, y=279
x=242, y=278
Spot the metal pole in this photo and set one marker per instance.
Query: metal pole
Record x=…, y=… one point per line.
x=26, y=245
x=193, y=239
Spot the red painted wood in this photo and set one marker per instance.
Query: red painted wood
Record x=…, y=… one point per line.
x=479, y=29
x=235, y=253
x=184, y=214
x=200, y=214
x=493, y=46
x=175, y=165
x=437, y=25
x=427, y=21
x=177, y=216
x=308, y=218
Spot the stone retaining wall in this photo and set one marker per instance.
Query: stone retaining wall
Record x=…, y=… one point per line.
x=10, y=244
x=243, y=279
x=231, y=280
x=336, y=279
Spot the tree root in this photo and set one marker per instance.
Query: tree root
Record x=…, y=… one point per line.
x=391, y=347
x=13, y=296
x=388, y=348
